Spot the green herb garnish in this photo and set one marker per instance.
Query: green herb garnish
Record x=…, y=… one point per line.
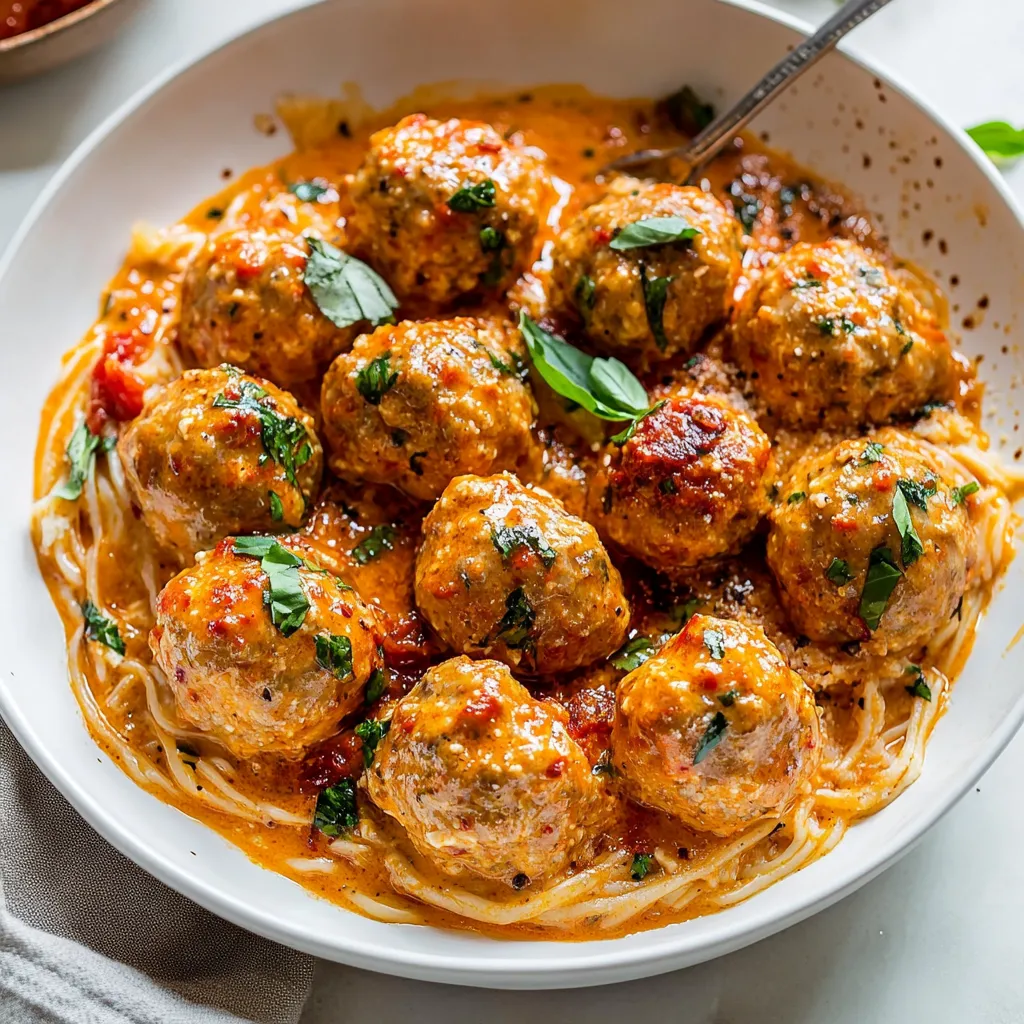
x=334, y=653
x=345, y=289
x=81, y=456
x=508, y=539
x=998, y=138
x=918, y=493
x=711, y=738
x=911, y=547
x=653, y=231
x=714, y=641
x=376, y=378
x=872, y=453
x=882, y=577
x=516, y=623
x=959, y=494
x=795, y=497
x=640, y=867
x=632, y=654
x=336, y=810
x=623, y=436
x=375, y=543
x=101, y=629
x=832, y=326
x=687, y=112
x=728, y=698
x=918, y=688
x=371, y=732
x=276, y=506
x=838, y=572
x=285, y=598
x=308, y=191
x=586, y=293
x=471, y=198
x=655, y=296
x=376, y=685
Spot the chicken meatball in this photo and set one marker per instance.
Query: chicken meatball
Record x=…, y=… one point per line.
x=648, y=269
x=830, y=338
x=716, y=729
x=444, y=209
x=690, y=484
x=505, y=572
x=416, y=404
x=484, y=779
x=264, y=652
x=219, y=452
x=244, y=302
x=868, y=542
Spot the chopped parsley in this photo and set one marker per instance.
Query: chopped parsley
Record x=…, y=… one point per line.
x=655, y=297
x=371, y=732
x=516, y=623
x=508, y=539
x=918, y=493
x=101, y=629
x=376, y=379
x=882, y=577
x=334, y=653
x=375, y=543
x=285, y=598
x=641, y=866
x=632, y=654
x=284, y=438
x=838, y=572
x=711, y=738
x=345, y=289
x=911, y=546
x=650, y=231
x=918, y=687
x=714, y=641
x=872, y=453
x=471, y=198
x=308, y=191
x=81, y=456
x=336, y=810
x=959, y=494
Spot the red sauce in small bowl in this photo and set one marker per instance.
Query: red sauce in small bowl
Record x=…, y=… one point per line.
x=18, y=16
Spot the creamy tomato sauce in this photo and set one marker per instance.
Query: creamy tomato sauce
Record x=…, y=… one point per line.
x=778, y=204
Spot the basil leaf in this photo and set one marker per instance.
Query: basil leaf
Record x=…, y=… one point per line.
x=609, y=391
x=376, y=685
x=687, y=112
x=336, y=810
x=376, y=379
x=882, y=577
x=838, y=572
x=276, y=507
x=640, y=867
x=998, y=138
x=959, y=494
x=714, y=641
x=653, y=231
x=918, y=688
x=308, y=191
x=795, y=497
x=81, y=456
x=917, y=493
x=832, y=326
x=284, y=438
x=586, y=293
x=711, y=738
x=655, y=297
x=375, y=543
x=101, y=629
x=872, y=453
x=507, y=539
x=682, y=613
x=334, y=653
x=254, y=547
x=632, y=654
x=728, y=698
x=284, y=597
x=471, y=198
x=371, y=732
x=516, y=623
x=912, y=548
x=345, y=289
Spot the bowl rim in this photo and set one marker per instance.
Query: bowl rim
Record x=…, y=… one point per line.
x=493, y=970
x=59, y=25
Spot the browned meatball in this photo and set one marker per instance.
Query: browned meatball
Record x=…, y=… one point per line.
x=690, y=484
x=416, y=404
x=653, y=301
x=835, y=340
x=248, y=673
x=484, y=779
x=505, y=572
x=244, y=302
x=715, y=729
x=219, y=452
x=868, y=543
x=447, y=208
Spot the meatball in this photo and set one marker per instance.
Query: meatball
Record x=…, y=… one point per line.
x=484, y=779
x=867, y=542
x=444, y=209
x=415, y=404
x=244, y=302
x=505, y=572
x=219, y=452
x=830, y=338
x=652, y=301
x=690, y=484
x=716, y=730
x=240, y=666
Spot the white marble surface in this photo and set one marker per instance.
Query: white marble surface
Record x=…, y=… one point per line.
x=937, y=938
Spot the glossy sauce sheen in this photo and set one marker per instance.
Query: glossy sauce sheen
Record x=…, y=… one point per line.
x=18, y=16
x=579, y=134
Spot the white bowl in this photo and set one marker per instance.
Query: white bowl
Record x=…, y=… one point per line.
x=939, y=199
